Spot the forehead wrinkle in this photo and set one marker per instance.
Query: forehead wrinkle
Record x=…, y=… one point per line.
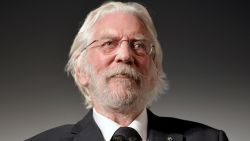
x=137, y=32
x=113, y=35
x=108, y=34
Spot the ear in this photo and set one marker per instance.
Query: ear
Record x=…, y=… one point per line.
x=82, y=77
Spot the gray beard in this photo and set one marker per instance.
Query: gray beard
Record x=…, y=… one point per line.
x=124, y=94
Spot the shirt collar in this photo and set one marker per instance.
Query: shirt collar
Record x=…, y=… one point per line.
x=108, y=127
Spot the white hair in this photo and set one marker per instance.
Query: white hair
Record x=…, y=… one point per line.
x=82, y=39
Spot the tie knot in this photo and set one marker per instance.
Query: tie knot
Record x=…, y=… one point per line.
x=126, y=134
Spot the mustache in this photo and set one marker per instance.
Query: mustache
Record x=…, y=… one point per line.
x=123, y=70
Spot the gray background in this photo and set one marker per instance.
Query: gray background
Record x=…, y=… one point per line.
x=206, y=57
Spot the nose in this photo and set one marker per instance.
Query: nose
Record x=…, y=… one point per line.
x=124, y=53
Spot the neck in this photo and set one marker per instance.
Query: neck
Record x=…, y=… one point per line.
x=124, y=117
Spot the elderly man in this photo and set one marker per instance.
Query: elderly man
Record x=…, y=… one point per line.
x=116, y=61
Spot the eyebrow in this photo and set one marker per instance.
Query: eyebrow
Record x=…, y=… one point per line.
x=111, y=36
x=108, y=36
x=140, y=37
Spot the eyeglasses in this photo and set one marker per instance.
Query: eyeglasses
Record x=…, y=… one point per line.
x=110, y=46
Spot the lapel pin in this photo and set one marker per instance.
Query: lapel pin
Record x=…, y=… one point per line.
x=169, y=139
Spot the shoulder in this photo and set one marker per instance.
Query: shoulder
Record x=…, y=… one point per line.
x=62, y=133
x=70, y=131
x=189, y=129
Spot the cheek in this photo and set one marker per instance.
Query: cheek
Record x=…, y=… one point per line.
x=97, y=61
x=148, y=68
x=144, y=66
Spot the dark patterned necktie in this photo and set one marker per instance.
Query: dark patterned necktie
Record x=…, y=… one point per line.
x=126, y=134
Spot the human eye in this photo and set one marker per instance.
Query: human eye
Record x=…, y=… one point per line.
x=138, y=45
x=107, y=43
x=108, y=46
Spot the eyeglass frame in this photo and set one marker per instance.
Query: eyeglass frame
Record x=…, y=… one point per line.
x=130, y=41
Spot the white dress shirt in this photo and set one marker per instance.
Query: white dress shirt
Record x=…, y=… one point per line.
x=108, y=127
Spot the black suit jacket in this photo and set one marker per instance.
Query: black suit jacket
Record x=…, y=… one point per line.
x=159, y=129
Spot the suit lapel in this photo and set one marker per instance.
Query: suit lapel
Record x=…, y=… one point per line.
x=87, y=129
x=158, y=136
x=157, y=131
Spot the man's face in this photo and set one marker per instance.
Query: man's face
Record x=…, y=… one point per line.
x=121, y=78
